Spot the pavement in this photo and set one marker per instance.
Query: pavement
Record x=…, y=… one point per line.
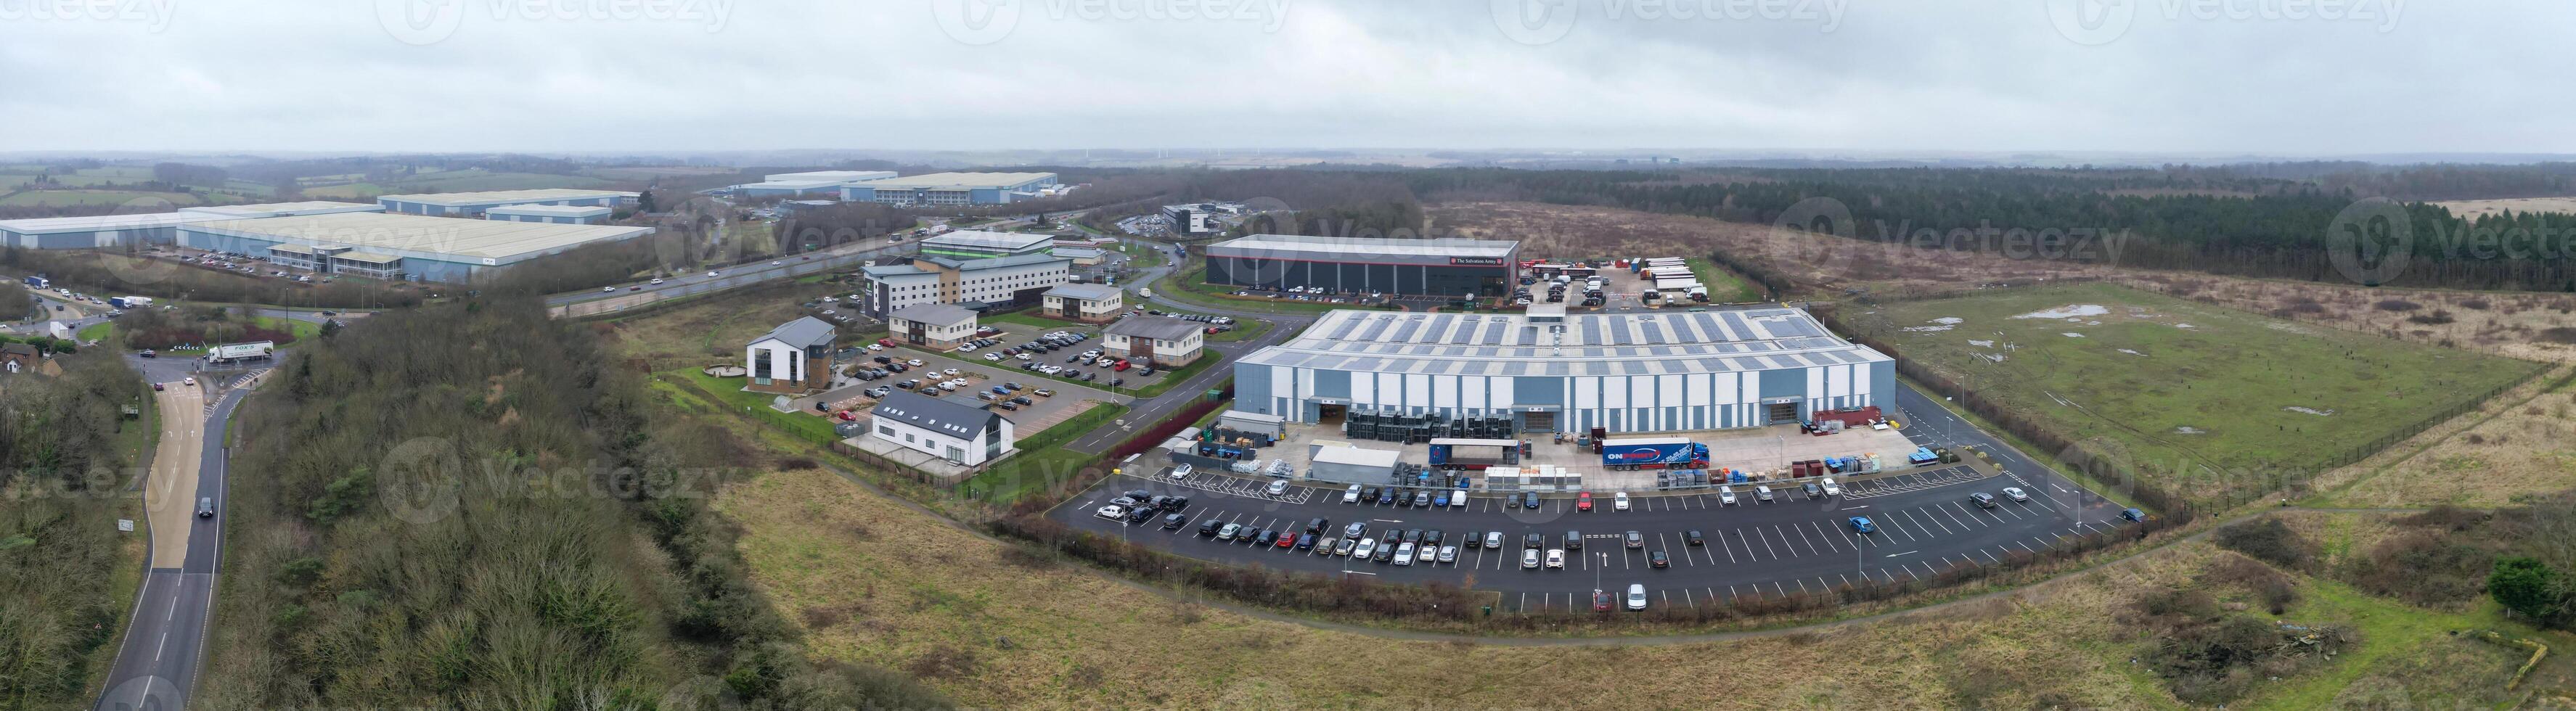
x=1795, y=543
x=156, y=665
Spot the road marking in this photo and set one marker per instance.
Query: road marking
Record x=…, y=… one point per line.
x=1892, y=555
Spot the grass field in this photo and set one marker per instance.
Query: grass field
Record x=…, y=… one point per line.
x=2515, y=449
x=1723, y=288
x=871, y=580
x=2179, y=387
x=65, y=198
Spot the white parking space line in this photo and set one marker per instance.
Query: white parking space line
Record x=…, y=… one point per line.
x=1887, y=522
x=1963, y=525
x=1784, y=541
x=1766, y=543
x=1918, y=523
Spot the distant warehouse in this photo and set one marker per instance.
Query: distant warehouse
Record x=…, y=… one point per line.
x=1548, y=372
x=148, y=228
x=828, y=182
x=976, y=244
x=475, y=204
x=951, y=189
x=1422, y=267
x=396, y=247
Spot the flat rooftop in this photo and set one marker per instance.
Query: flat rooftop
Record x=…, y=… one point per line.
x=94, y=223
x=550, y=210
x=490, y=241
x=1327, y=248
x=955, y=181
x=830, y=176
x=981, y=239
x=275, y=209
x=1717, y=341
x=504, y=197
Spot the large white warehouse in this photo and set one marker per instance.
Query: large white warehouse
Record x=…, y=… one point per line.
x=1653, y=372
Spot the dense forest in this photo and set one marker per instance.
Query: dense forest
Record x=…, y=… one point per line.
x=62, y=487
x=2216, y=221
x=488, y=518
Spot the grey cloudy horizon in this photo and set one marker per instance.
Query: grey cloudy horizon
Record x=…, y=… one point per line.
x=2268, y=77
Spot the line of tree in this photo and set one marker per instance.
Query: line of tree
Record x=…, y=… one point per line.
x=123, y=275
x=62, y=488
x=467, y=506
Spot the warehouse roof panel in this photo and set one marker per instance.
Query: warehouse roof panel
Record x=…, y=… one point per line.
x=492, y=241
x=955, y=181
x=980, y=239
x=1315, y=247
x=507, y=197
x=1595, y=344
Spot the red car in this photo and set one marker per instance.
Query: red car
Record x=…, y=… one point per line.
x=1122, y=366
x=1583, y=501
x=887, y=342
x=1286, y=540
x=1600, y=601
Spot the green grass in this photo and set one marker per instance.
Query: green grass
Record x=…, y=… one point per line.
x=1142, y=259
x=2391, y=632
x=2132, y=383
x=1722, y=287
x=65, y=198
x=729, y=393
x=1042, y=460
x=96, y=331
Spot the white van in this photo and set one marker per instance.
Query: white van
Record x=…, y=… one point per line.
x=1458, y=499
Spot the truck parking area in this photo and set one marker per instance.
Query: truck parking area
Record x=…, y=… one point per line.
x=1922, y=524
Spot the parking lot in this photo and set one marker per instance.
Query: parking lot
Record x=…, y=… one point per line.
x=1924, y=523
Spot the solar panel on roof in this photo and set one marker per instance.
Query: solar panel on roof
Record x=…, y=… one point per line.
x=1344, y=330
x=1735, y=324
x=1404, y=333
x=1652, y=333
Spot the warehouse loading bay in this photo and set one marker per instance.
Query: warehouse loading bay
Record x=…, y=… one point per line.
x=1923, y=521
x=1754, y=450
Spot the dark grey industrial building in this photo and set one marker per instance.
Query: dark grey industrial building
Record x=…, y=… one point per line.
x=1419, y=267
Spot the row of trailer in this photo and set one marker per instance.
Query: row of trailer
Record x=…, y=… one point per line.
x=1668, y=279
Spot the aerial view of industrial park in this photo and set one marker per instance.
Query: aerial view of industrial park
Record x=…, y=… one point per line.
x=704, y=355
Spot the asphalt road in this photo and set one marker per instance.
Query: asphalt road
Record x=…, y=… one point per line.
x=1144, y=413
x=156, y=667
x=1925, y=522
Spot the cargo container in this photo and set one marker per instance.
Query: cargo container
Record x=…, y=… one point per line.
x=129, y=302
x=1654, y=453
x=37, y=282
x=1455, y=453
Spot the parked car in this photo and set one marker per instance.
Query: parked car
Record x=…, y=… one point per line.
x=1494, y=540
x=1861, y=524
x=1530, y=557
x=1209, y=527
x=1619, y=501
x=2015, y=493
x=1583, y=501
x=1725, y=496
x=1344, y=547
x=1112, y=512
x=1556, y=558
x=1830, y=488
x=1983, y=500
x=1762, y=492
x=1636, y=596
x=1351, y=495
x=1277, y=487
x=1574, y=540
x=1404, y=554
x=1366, y=548
x=2133, y=514
x=1814, y=491
x=1267, y=538
x=1636, y=539
x=1448, y=554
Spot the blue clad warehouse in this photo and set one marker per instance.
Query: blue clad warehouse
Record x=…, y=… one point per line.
x=135, y=230
x=1549, y=372
x=400, y=247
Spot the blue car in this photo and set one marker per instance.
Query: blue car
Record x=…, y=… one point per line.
x=1440, y=500
x=1530, y=500
x=2133, y=514
x=1861, y=524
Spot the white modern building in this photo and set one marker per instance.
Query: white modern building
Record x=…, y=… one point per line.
x=407, y=247
x=476, y=203
x=549, y=214
x=955, y=432
x=937, y=326
x=942, y=280
x=1091, y=303
x=828, y=182
x=1627, y=372
x=951, y=189
x=1161, y=340
x=148, y=228
x=794, y=359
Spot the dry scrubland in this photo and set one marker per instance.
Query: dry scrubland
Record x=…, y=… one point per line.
x=709, y=329
x=2479, y=208
x=2523, y=325
x=874, y=581
x=2515, y=448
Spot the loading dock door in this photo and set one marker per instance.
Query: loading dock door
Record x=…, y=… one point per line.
x=1538, y=422
x=1330, y=415
x=1781, y=413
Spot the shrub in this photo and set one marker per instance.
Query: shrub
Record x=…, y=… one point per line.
x=2528, y=587
x=2422, y=568
x=2396, y=305
x=2268, y=540
x=2559, y=334
x=2436, y=318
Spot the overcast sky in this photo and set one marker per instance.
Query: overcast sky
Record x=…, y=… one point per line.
x=2278, y=77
